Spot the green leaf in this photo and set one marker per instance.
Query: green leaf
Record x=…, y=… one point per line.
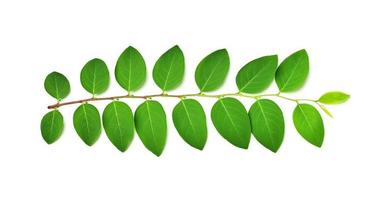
x=334, y=98
x=57, y=85
x=267, y=123
x=190, y=121
x=151, y=126
x=212, y=71
x=51, y=126
x=118, y=123
x=87, y=123
x=169, y=69
x=292, y=72
x=309, y=124
x=326, y=111
x=257, y=75
x=95, y=76
x=231, y=120
x=130, y=70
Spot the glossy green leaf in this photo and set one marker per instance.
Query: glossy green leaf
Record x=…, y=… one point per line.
x=168, y=72
x=257, y=75
x=130, y=70
x=57, y=85
x=334, y=98
x=87, y=123
x=212, y=71
x=309, y=124
x=51, y=126
x=118, y=123
x=190, y=121
x=95, y=76
x=267, y=123
x=292, y=72
x=151, y=126
x=231, y=120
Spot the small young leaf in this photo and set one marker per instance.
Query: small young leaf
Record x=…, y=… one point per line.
x=169, y=69
x=257, y=75
x=326, y=111
x=87, y=123
x=57, y=85
x=334, y=98
x=151, y=126
x=231, y=120
x=212, y=71
x=130, y=70
x=51, y=126
x=267, y=123
x=118, y=123
x=190, y=121
x=309, y=124
x=95, y=76
x=292, y=72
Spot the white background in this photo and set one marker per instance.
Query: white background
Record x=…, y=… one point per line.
x=346, y=42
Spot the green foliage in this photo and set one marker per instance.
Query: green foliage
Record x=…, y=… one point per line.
x=309, y=124
x=57, y=85
x=190, y=121
x=51, y=126
x=267, y=123
x=87, y=123
x=130, y=70
x=257, y=75
x=230, y=118
x=212, y=71
x=118, y=122
x=265, y=120
x=292, y=72
x=334, y=98
x=168, y=72
x=151, y=126
x=95, y=76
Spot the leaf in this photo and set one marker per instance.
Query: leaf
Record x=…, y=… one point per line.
x=57, y=85
x=87, y=123
x=51, y=126
x=231, y=120
x=190, y=121
x=292, y=72
x=95, y=76
x=118, y=123
x=151, y=126
x=257, y=75
x=130, y=70
x=169, y=69
x=309, y=124
x=212, y=71
x=267, y=123
x=334, y=98
x=326, y=111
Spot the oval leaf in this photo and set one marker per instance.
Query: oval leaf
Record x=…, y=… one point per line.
x=190, y=121
x=257, y=75
x=118, y=123
x=267, y=123
x=334, y=98
x=51, y=126
x=212, y=71
x=151, y=126
x=169, y=69
x=95, y=76
x=130, y=70
x=292, y=72
x=231, y=120
x=309, y=124
x=87, y=123
x=57, y=85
